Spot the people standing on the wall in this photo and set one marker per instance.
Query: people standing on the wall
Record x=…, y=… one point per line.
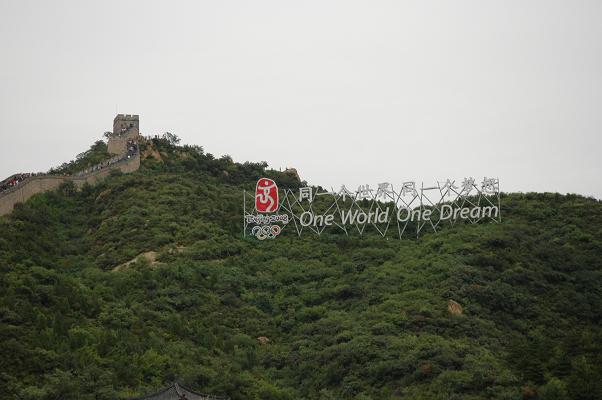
x=132, y=148
x=13, y=181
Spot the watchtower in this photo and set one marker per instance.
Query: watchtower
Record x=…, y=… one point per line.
x=124, y=122
x=125, y=127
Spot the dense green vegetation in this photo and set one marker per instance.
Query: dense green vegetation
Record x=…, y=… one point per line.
x=346, y=318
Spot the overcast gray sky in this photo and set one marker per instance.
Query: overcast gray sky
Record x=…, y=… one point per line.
x=348, y=92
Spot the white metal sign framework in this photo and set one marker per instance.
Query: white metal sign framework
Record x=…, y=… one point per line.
x=387, y=210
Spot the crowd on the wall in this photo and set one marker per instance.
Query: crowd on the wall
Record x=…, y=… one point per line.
x=122, y=131
x=15, y=180
x=98, y=167
x=132, y=149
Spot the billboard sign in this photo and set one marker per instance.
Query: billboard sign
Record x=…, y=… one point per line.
x=387, y=209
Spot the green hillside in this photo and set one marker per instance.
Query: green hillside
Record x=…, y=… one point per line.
x=292, y=318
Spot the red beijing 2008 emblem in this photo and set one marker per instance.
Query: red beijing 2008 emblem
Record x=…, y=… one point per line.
x=266, y=196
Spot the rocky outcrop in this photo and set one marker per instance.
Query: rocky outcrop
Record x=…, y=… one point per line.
x=454, y=307
x=149, y=256
x=293, y=172
x=263, y=340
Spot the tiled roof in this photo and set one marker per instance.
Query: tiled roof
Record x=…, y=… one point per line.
x=178, y=392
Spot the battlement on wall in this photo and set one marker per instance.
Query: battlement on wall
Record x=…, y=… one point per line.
x=125, y=122
x=126, y=117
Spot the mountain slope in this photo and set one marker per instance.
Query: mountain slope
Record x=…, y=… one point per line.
x=82, y=316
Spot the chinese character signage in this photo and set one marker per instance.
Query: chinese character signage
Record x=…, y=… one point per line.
x=388, y=209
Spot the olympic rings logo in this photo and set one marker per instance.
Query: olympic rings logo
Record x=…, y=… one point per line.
x=266, y=231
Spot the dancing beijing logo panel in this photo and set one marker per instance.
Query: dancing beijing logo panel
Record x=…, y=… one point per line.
x=387, y=210
x=266, y=196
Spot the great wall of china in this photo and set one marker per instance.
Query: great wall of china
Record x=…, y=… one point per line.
x=122, y=143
